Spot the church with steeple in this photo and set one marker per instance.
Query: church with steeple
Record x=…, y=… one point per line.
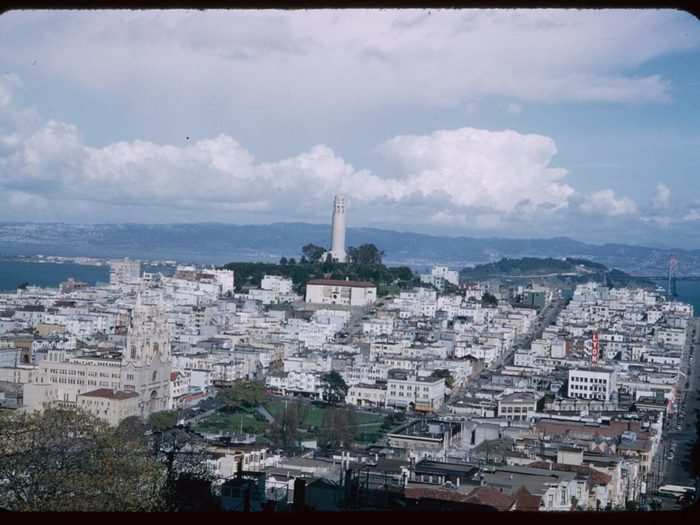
x=146, y=361
x=111, y=384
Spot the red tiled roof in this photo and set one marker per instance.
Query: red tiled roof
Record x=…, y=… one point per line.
x=492, y=497
x=108, y=393
x=340, y=282
x=526, y=502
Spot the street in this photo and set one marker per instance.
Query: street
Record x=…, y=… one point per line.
x=680, y=442
x=546, y=317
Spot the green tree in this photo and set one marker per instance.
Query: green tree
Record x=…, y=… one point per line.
x=292, y=261
x=367, y=254
x=283, y=261
x=68, y=460
x=443, y=373
x=184, y=458
x=489, y=299
x=162, y=421
x=131, y=429
x=242, y=394
x=352, y=254
x=334, y=387
x=313, y=252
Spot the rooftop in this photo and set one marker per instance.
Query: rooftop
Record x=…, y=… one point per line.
x=340, y=282
x=108, y=393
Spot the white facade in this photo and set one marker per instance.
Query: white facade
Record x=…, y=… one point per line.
x=276, y=283
x=345, y=293
x=439, y=275
x=124, y=271
x=420, y=393
x=592, y=384
x=338, y=229
x=367, y=395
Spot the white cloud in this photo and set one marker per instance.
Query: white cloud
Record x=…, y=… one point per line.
x=605, y=202
x=471, y=168
x=472, y=175
x=303, y=62
x=662, y=197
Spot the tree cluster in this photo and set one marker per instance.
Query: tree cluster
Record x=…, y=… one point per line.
x=334, y=387
x=364, y=264
x=489, y=299
x=242, y=395
x=445, y=374
x=68, y=460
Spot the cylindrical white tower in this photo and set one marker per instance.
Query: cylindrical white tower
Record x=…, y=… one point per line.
x=338, y=229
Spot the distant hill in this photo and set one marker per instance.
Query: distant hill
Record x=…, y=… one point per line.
x=216, y=243
x=560, y=270
x=532, y=266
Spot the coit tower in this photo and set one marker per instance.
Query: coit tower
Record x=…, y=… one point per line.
x=338, y=229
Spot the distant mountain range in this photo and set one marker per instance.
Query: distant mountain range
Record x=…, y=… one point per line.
x=216, y=243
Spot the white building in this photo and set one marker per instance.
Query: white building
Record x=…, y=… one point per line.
x=345, y=293
x=296, y=382
x=124, y=271
x=439, y=275
x=110, y=405
x=378, y=327
x=276, y=283
x=592, y=383
x=422, y=394
x=363, y=394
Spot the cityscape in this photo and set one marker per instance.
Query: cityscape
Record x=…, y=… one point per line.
x=377, y=364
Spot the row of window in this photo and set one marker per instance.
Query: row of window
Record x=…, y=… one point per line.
x=517, y=410
x=575, y=379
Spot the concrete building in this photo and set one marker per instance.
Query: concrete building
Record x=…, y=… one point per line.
x=143, y=368
x=422, y=394
x=592, y=383
x=110, y=405
x=519, y=406
x=345, y=293
x=439, y=275
x=124, y=271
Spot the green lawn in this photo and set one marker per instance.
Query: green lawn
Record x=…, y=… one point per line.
x=369, y=426
x=226, y=422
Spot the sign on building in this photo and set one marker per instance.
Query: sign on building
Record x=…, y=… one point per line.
x=595, y=349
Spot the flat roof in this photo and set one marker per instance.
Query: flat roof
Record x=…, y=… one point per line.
x=340, y=282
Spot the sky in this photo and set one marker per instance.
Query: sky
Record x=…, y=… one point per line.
x=486, y=123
